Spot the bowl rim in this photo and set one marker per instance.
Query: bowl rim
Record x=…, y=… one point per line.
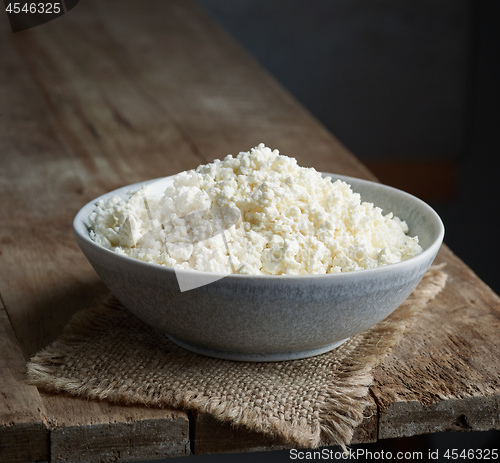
x=81, y=231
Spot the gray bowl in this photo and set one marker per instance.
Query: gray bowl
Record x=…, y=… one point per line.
x=262, y=317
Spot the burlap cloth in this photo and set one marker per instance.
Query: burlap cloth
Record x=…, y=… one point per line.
x=107, y=353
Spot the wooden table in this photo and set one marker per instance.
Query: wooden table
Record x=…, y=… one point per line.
x=118, y=92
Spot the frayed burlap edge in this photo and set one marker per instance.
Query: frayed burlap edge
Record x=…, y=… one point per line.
x=340, y=414
x=349, y=393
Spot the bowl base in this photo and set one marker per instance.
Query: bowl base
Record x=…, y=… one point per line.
x=256, y=357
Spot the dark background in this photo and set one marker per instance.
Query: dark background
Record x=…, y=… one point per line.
x=411, y=88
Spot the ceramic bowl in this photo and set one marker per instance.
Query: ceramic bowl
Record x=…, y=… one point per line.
x=262, y=317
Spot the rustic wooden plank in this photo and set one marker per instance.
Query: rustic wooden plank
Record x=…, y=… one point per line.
x=411, y=418
x=225, y=112
x=222, y=98
x=444, y=374
x=85, y=431
x=217, y=100
x=64, y=142
x=212, y=436
x=43, y=277
x=130, y=125
x=24, y=435
x=442, y=377
x=54, y=160
x=146, y=89
x=367, y=431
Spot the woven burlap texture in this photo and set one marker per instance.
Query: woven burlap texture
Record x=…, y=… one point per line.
x=107, y=353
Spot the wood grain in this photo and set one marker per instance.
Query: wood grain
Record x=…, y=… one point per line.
x=218, y=96
x=444, y=376
x=24, y=435
x=85, y=431
x=54, y=160
x=212, y=436
x=43, y=277
x=118, y=92
x=367, y=431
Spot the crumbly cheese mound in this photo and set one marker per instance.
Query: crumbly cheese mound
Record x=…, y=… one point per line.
x=256, y=213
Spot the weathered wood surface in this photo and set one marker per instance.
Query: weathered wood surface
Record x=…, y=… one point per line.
x=445, y=374
x=23, y=430
x=211, y=436
x=85, y=431
x=118, y=92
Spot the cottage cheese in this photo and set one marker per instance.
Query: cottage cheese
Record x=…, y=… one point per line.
x=256, y=213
